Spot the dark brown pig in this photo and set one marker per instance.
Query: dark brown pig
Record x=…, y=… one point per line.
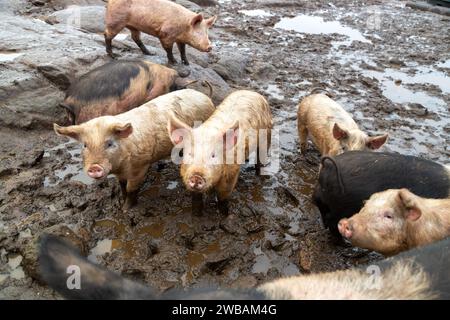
x=117, y=87
x=170, y=22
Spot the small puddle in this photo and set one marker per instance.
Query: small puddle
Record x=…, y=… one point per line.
x=275, y=92
x=316, y=25
x=256, y=13
x=8, y=57
x=74, y=169
x=102, y=247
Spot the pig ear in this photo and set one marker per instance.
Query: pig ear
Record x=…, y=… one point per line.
x=376, y=142
x=177, y=129
x=122, y=130
x=70, y=131
x=211, y=21
x=196, y=19
x=231, y=135
x=339, y=133
x=409, y=202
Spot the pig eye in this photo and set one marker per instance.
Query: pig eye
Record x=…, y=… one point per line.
x=213, y=155
x=85, y=145
x=387, y=215
x=109, y=144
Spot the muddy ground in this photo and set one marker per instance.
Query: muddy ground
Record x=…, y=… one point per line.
x=385, y=63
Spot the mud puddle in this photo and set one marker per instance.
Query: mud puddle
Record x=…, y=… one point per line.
x=317, y=25
x=73, y=169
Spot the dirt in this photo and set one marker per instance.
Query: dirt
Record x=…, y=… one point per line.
x=391, y=72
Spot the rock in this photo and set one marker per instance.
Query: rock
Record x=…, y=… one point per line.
x=189, y=5
x=205, y=3
x=44, y=56
x=61, y=4
x=220, y=88
x=264, y=71
x=231, y=66
x=90, y=18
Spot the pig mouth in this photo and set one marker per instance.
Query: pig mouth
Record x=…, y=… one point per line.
x=96, y=172
x=345, y=229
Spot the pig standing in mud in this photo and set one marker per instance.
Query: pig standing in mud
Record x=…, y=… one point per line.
x=396, y=220
x=331, y=128
x=416, y=274
x=349, y=179
x=117, y=87
x=170, y=22
x=127, y=144
x=207, y=148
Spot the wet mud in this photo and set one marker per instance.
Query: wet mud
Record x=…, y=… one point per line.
x=387, y=64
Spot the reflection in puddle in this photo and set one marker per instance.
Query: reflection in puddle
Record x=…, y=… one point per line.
x=256, y=13
x=8, y=57
x=120, y=232
x=74, y=169
x=16, y=270
x=102, y=247
x=316, y=25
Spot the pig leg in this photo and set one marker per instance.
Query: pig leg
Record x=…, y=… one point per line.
x=133, y=188
x=303, y=135
x=169, y=47
x=136, y=36
x=110, y=33
x=197, y=203
x=225, y=187
x=182, y=49
x=258, y=161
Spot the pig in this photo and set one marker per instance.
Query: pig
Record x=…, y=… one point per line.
x=204, y=166
x=421, y=273
x=395, y=220
x=331, y=128
x=347, y=180
x=127, y=144
x=170, y=22
x=117, y=87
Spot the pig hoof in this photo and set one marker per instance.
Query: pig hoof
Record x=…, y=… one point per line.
x=129, y=204
x=223, y=207
x=113, y=56
x=185, y=62
x=197, y=209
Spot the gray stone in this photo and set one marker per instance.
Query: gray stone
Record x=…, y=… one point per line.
x=89, y=18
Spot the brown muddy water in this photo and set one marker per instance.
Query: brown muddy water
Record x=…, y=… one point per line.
x=386, y=64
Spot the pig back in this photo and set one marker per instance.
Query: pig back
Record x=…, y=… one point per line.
x=150, y=120
x=250, y=109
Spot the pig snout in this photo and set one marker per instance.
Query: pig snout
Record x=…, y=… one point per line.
x=208, y=48
x=96, y=171
x=196, y=182
x=345, y=228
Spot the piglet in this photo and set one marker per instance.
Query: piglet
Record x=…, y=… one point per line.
x=396, y=220
x=169, y=21
x=331, y=128
x=127, y=144
x=213, y=151
x=117, y=87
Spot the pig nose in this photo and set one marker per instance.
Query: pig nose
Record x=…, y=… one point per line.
x=196, y=182
x=209, y=48
x=345, y=228
x=96, y=171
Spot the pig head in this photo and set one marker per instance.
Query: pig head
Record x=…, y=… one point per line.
x=206, y=152
x=103, y=147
